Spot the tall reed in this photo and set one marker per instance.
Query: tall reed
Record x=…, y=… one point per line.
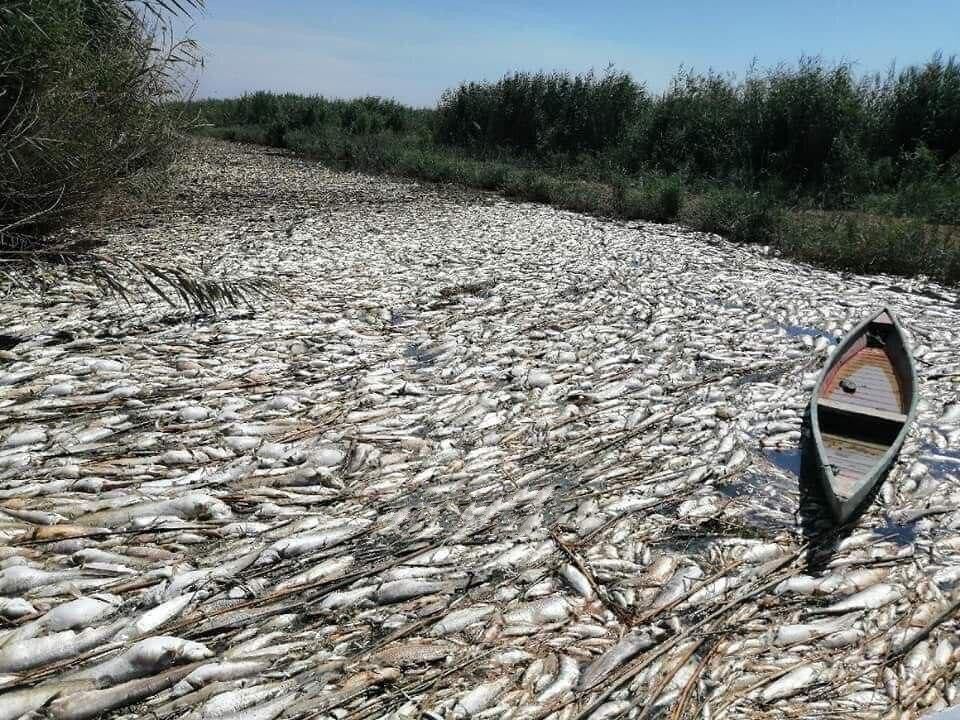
x=84, y=88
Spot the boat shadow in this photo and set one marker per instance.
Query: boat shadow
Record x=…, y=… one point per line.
x=821, y=532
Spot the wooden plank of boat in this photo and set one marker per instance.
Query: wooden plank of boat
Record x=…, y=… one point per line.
x=861, y=409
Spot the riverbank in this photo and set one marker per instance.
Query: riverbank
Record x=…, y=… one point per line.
x=842, y=240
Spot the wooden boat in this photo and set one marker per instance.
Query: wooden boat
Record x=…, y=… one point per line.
x=862, y=406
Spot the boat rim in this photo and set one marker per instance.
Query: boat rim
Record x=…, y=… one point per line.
x=849, y=338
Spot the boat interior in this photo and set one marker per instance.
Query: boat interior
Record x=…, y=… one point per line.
x=863, y=403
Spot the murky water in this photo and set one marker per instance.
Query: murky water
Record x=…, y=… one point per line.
x=786, y=459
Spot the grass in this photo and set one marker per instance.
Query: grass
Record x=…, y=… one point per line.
x=854, y=173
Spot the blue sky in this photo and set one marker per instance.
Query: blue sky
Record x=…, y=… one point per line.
x=412, y=51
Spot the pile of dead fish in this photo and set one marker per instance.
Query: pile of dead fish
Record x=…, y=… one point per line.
x=477, y=459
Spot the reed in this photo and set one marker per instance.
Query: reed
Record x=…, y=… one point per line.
x=84, y=93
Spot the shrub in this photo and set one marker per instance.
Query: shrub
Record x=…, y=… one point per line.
x=492, y=176
x=868, y=245
x=669, y=200
x=691, y=128
x=656, y=199
x=738, y=215
x=809, y=134
x=276, y=134
x=362, y=116
x=83, y=89
x=539, y=113
x=920, y=105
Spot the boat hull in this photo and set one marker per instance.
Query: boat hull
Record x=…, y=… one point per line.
x=860, y=411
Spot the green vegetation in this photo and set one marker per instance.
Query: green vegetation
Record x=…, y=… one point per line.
x=855, y=173
x=541, y=115
x=85, y=115
x=83, y=87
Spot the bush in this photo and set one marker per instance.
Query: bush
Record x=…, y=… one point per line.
x=809, y=135
x=584, y=197
x=539, y=113
x=740, y=216
x=692, y=128
x=921, y=105
x=866, y=245
x=276, y=134
x=656, y=199
x=83, y=95
x=492, y=176
x=810, y=130
x=919, y=165
x=363, y=116
x=669, y=200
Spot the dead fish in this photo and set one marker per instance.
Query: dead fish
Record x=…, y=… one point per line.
x=27, y=436
x=191, y=506
x=324, y=570
x=232, y=702
x=678, y=586
x=869, y=599
x=295, y=546
x=24, y=653
x=458, y=620
x=145, y=657
x=157, y=616
x=793, y=634
x=577, y=580
x=793, y=682
x=610, y=710
x=340, y=599
x=565, y=681
x=412, y=653
x=20, y=703
x=480, y=698
x=629, y=646
x=319, y=482
x=73, y=615
x=267, y=710
x=539, y=612
x=399, y=590
x=218, y=672
x=15, y=608
x=18, y=580
x=91, y=703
